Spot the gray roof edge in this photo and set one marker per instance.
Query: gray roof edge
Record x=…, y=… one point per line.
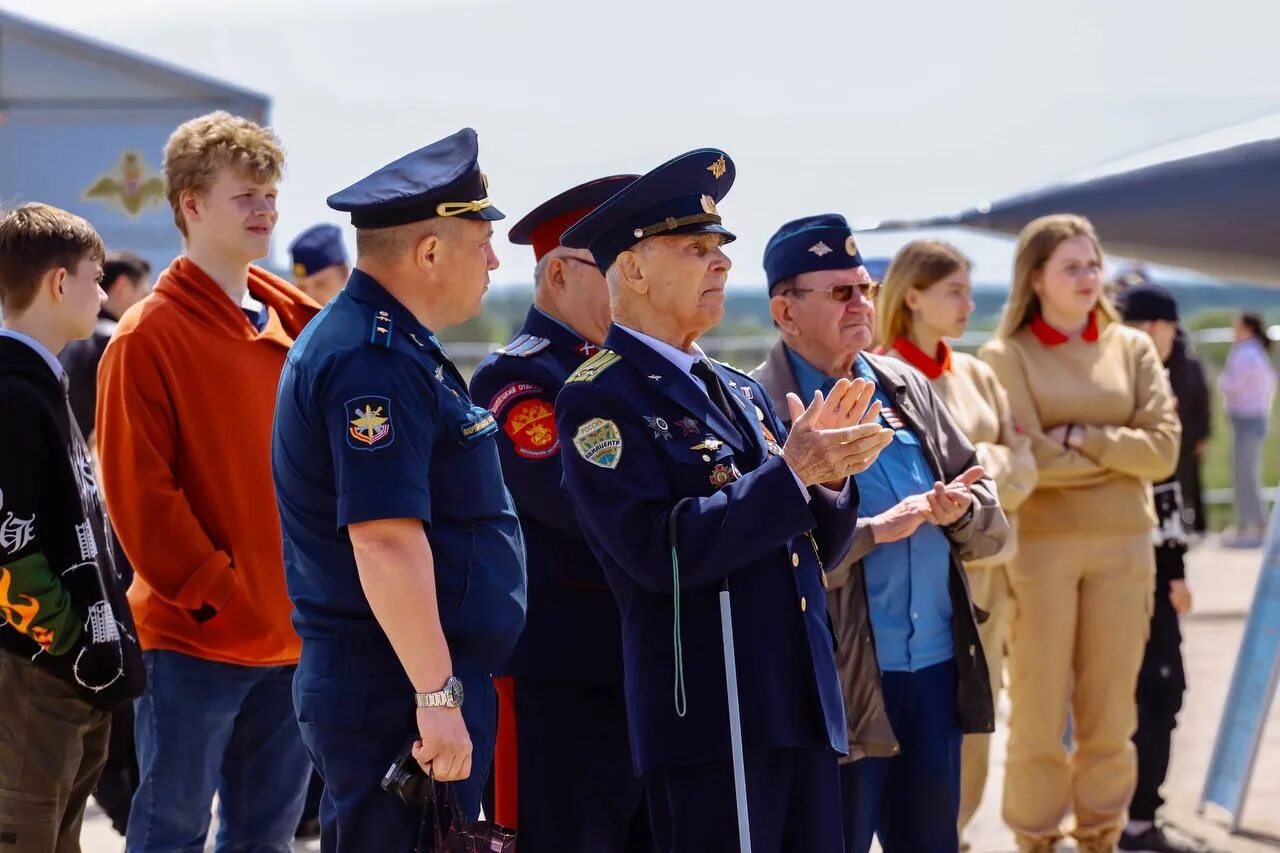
x=102, y=51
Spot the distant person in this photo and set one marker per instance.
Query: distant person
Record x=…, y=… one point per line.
x=186, y=395
x=1162, y=679
x=1093, y=398
x=68, y=653
x=1248, y=382
x=320, y=266
x=126, y=278
x=926, y=299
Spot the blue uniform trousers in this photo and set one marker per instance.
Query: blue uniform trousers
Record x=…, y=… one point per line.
x=577, y=786
x=911, y=800
x=793, y=801
x=355, y=707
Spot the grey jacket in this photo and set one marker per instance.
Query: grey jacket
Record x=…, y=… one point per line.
x=980, y=534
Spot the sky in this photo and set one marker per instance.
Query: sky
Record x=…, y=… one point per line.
x=896, y=109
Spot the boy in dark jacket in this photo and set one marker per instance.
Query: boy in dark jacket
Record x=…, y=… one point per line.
x=67, y=650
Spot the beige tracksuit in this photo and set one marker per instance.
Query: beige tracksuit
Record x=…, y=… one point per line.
x=1082, y=578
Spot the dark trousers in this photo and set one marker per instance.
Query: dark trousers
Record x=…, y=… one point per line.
x=578, y=792
x=1161, y=683
x=119, y=779
x=1194, y=517
x=912, y=800
x=793, y=804
x=356, y=713
x=52, y=747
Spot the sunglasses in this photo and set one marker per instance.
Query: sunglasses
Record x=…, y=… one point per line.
x=844, y=292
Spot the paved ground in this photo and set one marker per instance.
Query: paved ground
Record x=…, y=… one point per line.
x=1223, y=583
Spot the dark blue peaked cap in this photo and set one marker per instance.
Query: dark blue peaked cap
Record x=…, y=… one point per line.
x=678, y=197
x=317, y=248
x=822, y=242
x=442, y=179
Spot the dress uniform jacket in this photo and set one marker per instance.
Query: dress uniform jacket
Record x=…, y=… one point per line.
x=656, y=470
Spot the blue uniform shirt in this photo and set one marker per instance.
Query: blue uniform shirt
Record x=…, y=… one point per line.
x=373, y=421
x=908, y=580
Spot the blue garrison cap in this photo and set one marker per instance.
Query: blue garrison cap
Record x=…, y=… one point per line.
x=822, y=242
x=317, y=248
x=678, y=197
x=545, y=224
x=443, y=179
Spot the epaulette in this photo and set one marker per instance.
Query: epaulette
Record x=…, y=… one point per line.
x=594, y=366
x=380, y=331
x=524, y=346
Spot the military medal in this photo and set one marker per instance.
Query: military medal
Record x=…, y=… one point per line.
x=723, y=475
x=659, y=427
x=688, y=426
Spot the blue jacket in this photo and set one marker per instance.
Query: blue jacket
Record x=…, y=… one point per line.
x=572, y=632
x=648, y=458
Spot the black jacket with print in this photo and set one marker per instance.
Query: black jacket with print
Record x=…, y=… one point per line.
x=61, y=601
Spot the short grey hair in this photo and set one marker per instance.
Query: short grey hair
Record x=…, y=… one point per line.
x=540, y=269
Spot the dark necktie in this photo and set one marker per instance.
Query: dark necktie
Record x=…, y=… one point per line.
x=715, y=388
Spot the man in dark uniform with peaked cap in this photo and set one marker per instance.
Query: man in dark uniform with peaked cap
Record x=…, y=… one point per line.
x=573, y=786
x=404, y=556
x=686, y=483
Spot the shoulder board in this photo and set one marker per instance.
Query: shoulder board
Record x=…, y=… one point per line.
x=524, y=346
x=594, y=366
x=380, y=331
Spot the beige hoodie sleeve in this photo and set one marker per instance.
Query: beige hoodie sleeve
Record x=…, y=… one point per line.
x=1147, y=446
x=1008, y=461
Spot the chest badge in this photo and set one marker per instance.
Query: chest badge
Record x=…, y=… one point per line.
x=659, y=426
x=688, y=426
x=722, y=475
x=709, y=443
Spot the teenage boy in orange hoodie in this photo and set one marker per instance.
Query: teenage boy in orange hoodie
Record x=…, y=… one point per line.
x=186, y=393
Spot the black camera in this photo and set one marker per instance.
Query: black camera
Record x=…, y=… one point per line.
x=406, y=779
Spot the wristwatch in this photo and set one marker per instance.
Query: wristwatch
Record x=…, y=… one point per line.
x=449, y=696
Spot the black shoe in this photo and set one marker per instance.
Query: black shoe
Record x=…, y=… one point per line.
x=1153, y=841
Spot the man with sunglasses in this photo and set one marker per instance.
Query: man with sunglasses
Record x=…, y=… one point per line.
x=911, y=664
x=562, y=765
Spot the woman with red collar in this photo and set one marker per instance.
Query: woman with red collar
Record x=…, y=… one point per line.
x=1092, y=396
x=924, y=300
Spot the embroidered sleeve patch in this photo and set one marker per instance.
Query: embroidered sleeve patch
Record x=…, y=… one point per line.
x=369, y=423
x=531, y=426
x=599, y=442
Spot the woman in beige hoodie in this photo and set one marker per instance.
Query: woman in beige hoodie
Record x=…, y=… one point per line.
x=926, y=299
x=1092, y=396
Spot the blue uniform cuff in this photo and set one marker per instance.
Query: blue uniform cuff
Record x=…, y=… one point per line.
x=355, y=507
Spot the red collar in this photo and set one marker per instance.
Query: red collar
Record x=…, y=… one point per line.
x=1051, y=337
x=932, y=367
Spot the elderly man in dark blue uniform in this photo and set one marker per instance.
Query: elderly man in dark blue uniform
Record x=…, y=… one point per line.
x=566, y=673
x=685, y=483
x=404, y=556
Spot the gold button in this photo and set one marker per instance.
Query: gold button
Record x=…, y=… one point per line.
x=795, y=559
x=804, y=605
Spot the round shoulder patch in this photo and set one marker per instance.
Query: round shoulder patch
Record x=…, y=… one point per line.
x=531, y=426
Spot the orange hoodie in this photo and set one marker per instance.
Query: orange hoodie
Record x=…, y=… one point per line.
x=186, y=396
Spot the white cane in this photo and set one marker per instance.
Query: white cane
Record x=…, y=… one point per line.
x=735, y=718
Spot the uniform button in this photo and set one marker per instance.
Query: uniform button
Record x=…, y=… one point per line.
x=804, y=605
x=795, y=559
x=915, y=615
x=706, y=458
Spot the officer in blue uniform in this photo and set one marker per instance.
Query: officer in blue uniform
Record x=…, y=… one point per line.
x=574, y=785
x=685, y=482
x=320, y=267
x=403, y=552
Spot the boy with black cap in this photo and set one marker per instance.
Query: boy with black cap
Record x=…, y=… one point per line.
x=1162, y=679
